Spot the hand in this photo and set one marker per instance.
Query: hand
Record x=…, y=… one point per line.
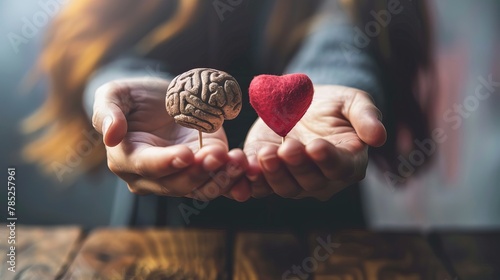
x=326, y=151
x=153, y=154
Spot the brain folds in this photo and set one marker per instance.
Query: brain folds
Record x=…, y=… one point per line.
x=203, y=98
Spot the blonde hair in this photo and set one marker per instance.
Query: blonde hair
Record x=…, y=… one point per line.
x=82, y=37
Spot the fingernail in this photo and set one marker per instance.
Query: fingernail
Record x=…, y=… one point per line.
x=271, y=164
x=106, y=123
x=179, y=163
x=211, y=163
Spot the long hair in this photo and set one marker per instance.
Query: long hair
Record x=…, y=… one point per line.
x=403, y=49
x=88, y=33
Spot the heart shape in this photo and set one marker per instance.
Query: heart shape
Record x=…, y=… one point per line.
x=281, y=101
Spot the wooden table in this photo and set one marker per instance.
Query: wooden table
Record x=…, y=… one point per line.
x=71, y=253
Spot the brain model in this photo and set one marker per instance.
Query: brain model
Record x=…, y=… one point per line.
x=203, y=98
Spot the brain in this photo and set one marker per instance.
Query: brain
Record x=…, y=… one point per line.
x=203, y=98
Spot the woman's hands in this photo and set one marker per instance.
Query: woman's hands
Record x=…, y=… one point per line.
x=154, y=155
x=325, y=152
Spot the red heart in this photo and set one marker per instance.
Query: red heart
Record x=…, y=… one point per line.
x=281, y=101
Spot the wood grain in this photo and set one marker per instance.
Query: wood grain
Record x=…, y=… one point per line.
x=41, y=253
x=266, y=255
x=363, y=255
x=474, y=256
x=150, y=254
x=59, y=253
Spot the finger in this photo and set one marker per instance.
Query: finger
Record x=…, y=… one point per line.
x=112, y=102
x=148, y=161
x=301, y=167
x=258, y=184
x=366, y=118
x=276, y=174
x=217, y=138
x=326, y=193
x=337, y=163
x=223, y=179
x=207, y=160
x=241, y=190
x=260, y=188
x=140, y=186
x=237, y=164
x=253, y=169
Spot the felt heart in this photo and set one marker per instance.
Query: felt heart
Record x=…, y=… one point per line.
x=281, y=101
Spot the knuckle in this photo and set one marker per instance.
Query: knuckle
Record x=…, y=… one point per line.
x=200, y=196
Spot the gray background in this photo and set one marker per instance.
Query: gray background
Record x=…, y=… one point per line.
x=40, y=199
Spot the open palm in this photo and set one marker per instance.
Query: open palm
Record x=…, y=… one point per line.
x=323, y=153
x=147, y=149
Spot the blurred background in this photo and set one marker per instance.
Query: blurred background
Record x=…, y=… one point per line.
x=460, y=188
x=40, y=199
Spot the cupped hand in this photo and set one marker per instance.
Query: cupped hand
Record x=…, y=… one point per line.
x=326, y=151
x=153, y=154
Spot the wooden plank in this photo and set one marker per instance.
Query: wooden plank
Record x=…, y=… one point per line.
x=41, y=253
x=150, y=254
x=266, y=255
x=474, y=256
x=363, y=255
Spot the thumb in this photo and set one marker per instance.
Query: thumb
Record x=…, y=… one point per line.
x=366, y=118
x=111, y=105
